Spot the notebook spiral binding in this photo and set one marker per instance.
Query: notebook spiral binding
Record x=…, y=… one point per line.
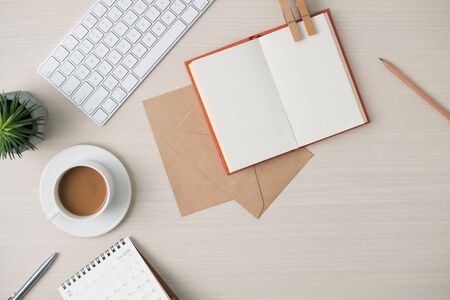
x=103, y=256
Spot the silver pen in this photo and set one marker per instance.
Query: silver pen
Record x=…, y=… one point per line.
x=34, y=278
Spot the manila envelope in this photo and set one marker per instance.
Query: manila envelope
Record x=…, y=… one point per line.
x=193, y=165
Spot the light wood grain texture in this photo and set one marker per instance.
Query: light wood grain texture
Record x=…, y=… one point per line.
x=368, y=217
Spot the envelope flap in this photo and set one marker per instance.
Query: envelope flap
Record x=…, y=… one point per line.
x=194, y=122
x=166, y=111
x=193, y=190
x=275, y=174
x=192, y=139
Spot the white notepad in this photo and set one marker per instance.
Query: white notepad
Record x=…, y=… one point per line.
x=269, y=95
x=118, y=273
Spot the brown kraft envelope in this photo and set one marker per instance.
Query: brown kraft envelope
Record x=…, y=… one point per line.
x=194, y=167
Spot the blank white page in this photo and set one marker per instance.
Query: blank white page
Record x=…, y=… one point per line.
x=313, y=82
x=243, y=105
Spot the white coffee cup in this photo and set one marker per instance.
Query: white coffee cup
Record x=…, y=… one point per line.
x=59, y=207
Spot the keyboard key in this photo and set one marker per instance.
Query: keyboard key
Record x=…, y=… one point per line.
x=67, y=68
x=143, y=24
x=158, y=28
x=95, y=100
x=95, y=78
x=57, y=78
x=100, y=116
x=162, y=4
x=155, y=53
x=89, y=21
x=177, y=7
x=110, y=82
x=80, y=32
x=139, y=7
x=114, y=57
x=133, y=35
x=109, y=2
x=129, y=18
x=105, y=25
x=189, y=15
x=76, y=58
x=104, y=68
x=168, y=17
x=124, y=4
x=92, y=61
x=60, y=53
x=101, y=50
x=86, y=46
x=200, y=4
x=123, y=46
x=111, y=39
x=129, y=61
x=95, y=35
x=82, y=72
x=149, y=39
x=120, y=28
x=99, y=10
x=119, y=95
x=109, y=105
x=49, y=67
x=152, y=13
x=114, y=14
x=129, y=82
x=83, y=92
x=139, y=50
x=70, y=42
x=70, y=86
x=120, y=72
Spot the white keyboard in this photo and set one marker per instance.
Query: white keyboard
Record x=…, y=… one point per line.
x=115, y=45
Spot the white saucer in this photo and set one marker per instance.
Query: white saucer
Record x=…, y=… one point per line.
x=120, y=202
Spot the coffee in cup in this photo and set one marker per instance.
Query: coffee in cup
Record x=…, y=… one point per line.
x=82, y=191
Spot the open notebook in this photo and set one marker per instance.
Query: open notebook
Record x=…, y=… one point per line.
x=118, y=273
x=267, y=95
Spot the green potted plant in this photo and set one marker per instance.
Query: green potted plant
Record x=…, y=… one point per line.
x=22, y=124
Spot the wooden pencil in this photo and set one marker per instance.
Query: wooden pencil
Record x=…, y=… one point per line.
x=416, y=88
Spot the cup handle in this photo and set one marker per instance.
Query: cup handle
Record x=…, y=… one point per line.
x=51, y=215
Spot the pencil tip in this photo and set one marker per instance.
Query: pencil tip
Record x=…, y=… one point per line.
x=380, y=59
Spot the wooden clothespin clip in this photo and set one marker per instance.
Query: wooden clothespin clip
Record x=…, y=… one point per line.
x=304, y=13
x=290, y=18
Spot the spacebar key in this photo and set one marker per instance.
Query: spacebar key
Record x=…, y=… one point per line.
x=159, y=49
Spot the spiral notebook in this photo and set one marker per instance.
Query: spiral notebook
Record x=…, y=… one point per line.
x=120, y=272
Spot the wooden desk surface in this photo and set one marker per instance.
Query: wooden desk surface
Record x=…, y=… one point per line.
x=368, y=218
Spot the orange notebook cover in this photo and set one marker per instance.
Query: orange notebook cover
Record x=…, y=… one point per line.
x=274, y=45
